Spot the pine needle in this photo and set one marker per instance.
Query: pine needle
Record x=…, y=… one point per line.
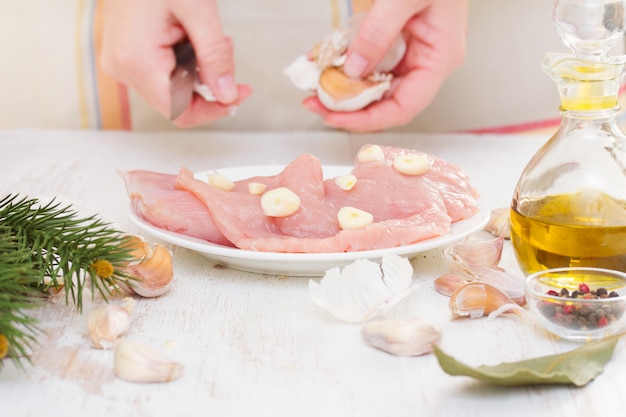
x=49, y=245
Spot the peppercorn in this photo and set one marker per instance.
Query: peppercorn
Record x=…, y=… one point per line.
x=585, y=316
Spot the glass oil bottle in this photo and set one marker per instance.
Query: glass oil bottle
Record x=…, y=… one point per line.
x=569, y=205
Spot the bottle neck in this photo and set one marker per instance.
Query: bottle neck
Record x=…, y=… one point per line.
x=602, y=115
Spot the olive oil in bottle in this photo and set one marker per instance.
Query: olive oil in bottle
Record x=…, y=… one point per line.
x=570, y=230
x=569, y=205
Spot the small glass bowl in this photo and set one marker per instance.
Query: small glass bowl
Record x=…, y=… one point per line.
x=590, y=315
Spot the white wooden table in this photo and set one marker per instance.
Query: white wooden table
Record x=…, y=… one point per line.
x=256, y=344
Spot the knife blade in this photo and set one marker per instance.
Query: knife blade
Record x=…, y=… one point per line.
x=182, y=79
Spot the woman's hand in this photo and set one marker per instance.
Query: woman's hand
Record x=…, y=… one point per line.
x=137, y=50
x=434, y=31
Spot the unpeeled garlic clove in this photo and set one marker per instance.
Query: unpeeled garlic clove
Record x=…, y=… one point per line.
x=153, y=275
x=498, y=224
x=470, y=256
x=507, y=282
x=108, y=322
x=448, y=283
x=477, y=299
x=401, y=337
x=137, y=362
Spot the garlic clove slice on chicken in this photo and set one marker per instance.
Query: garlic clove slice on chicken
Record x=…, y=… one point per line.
x=477, y=299
x=352, y=293
x=137, y=362
x=108, y=322
x=401, y=337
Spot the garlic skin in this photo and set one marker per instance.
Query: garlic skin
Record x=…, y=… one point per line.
x=352, y=293
x=401, y=337
x=108, y=322
x=137, y=362
x=477, y=299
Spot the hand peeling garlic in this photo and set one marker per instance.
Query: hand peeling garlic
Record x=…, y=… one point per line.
x=321, y=71
x=351, y=294
x=108, y=322
x=137, y=362
x=401, y=337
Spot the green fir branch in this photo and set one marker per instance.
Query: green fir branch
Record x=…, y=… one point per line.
x=50, y=245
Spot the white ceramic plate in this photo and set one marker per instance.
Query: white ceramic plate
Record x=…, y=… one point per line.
x=300, y=264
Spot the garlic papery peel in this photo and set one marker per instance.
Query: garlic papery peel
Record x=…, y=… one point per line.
x=351, y=293
x=401, y=337
x=137, y=362
x=303, y=73
x=153, y=275
x=470, y=256
x=108, y=322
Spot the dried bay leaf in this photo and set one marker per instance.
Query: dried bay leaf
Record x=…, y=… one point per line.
x=577, y=367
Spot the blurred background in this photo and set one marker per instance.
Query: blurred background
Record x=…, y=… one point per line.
x=51, y=78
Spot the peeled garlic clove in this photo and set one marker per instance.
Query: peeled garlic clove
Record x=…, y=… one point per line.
x=371, y=153
x=507, y=282
x=256, y=188
x=152, y=276
x=411, y=164
x=346, y=182
x=352, y=293
x=338, y=92
x=448, y=283
x=108, y=322
x=477, y=299
x=280, y=202
x=351, y=218
x=498, y=224
x=137, y=362
x=219, y=181
x=401, y=337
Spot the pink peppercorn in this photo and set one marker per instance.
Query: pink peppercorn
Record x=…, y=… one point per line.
x=584, y=288
x=603, y=321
